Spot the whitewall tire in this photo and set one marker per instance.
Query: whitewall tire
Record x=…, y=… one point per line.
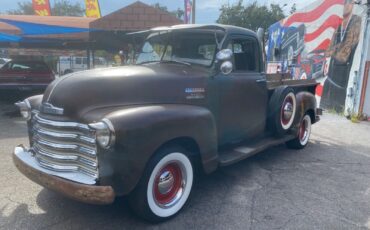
x=170, y=184
x=288, y=110
x=304, y=133
x=165, y=186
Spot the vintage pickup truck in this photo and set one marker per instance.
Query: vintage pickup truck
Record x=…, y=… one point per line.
x=197, y=99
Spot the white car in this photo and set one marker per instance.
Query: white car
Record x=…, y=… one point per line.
x=3, y=61
x=69, y=64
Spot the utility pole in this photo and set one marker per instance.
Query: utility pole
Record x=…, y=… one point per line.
x=193, y=12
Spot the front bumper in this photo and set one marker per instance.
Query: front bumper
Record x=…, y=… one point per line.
x=91, y=194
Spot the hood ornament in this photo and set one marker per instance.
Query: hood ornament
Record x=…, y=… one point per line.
x=50, y=109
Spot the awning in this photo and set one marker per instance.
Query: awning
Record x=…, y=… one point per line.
x=29, y=28
x=9, y=38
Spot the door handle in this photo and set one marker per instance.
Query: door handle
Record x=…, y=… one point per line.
x=261, y=80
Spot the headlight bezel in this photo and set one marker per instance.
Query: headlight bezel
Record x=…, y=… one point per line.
x=104, y=129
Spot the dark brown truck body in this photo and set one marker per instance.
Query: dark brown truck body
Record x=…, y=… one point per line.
x=154, y=104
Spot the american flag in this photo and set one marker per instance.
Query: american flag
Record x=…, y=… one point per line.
x=321, y=19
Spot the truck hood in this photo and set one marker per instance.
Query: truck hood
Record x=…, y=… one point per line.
x=81, y=92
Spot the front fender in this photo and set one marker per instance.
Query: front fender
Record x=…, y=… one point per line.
x=140, y=131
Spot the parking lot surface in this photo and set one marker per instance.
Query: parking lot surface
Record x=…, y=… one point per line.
x=325, y=186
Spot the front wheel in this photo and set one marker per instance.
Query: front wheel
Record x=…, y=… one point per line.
x=304, y=134
x=164, y=187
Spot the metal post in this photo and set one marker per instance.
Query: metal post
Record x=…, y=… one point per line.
x=193, y=12
x=93, y=58
x=88, y=58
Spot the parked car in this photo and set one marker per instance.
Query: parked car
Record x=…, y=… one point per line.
x=198, y=99
x=70, y=64
x=25, y=75
x=3, y=61
x=313, y=65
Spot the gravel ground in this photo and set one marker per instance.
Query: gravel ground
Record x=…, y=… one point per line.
x=325, y=186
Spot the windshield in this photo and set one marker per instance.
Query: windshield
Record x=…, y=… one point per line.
x=183, y=47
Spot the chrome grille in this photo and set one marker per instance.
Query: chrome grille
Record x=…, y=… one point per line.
x=64, y=146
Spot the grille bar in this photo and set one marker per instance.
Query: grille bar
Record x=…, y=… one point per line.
x=64, y=146
x=64, y=136
x=60, y=124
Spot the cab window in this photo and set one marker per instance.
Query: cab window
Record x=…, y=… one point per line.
x=246, y=57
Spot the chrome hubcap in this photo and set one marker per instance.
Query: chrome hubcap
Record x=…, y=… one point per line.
x=166, y=182
x=288, y=111
x=169, y=185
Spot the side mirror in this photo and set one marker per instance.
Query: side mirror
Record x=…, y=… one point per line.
x=224, y=57
x=226, y=67
x=261, y=35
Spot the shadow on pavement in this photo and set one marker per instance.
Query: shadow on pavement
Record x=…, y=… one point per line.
x=321, y=187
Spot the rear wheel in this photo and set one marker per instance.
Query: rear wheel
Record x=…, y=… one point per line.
x=282, y=110
x=165, y=185
x=304, y=134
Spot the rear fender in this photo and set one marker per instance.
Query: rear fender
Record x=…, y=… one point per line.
x=305, y=101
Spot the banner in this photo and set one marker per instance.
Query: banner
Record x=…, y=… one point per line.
x=92, y=9
x=188, y=9
x=41, y=7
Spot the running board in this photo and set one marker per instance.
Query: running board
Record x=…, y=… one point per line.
x=242, y=152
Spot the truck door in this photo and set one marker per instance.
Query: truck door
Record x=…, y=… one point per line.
x=243, y=93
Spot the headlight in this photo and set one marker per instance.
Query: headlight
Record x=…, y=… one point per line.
x=25, y=109
x=104, y=132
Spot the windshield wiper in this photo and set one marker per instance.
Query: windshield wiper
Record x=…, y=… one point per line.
x=165, y=61
x=146, y=62
x=178, y=62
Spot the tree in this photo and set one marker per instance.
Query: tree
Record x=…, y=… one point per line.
x=65, y=8
x=60, y=8
x=293, y=9
x=179, y=13
x=251, y=16
x=24, y=8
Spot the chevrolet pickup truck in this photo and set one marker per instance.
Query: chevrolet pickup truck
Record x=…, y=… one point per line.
x=197, y=99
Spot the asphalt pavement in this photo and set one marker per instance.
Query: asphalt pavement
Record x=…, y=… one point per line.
x=324, y=186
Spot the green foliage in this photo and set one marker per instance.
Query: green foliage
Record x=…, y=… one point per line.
x=251, y=16
x=60, y=8
x=179, y=13
x=65, y=8
x=24, y=8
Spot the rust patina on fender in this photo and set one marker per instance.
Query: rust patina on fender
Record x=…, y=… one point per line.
x=306, y=103
x=136, y=143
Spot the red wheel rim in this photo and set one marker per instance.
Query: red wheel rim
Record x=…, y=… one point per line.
x=288, y=100
x=168, y=183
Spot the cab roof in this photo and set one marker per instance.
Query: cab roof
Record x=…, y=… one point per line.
x=226, y=28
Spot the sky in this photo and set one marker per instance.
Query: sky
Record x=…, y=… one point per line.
x=207, y=10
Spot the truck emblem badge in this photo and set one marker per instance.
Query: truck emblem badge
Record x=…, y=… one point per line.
x=194, y=93
x=50, y=109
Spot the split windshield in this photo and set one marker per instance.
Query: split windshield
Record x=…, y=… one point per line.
x=181, y=47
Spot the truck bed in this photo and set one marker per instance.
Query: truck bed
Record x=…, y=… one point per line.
x=276, y=80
